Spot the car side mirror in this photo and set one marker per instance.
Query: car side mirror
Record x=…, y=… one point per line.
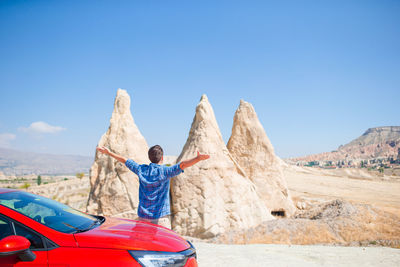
x=16, y=245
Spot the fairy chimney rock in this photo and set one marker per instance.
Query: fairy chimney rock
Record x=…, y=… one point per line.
x=212, y=196
x=253, y=151
x=114, y=188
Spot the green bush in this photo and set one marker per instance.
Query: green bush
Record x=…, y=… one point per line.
x=25, y=186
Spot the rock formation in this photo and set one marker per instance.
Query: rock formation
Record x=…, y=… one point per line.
x=114, y=188
x=212, y=196
x=252, y=150
x=378, y=142
x=377, y=135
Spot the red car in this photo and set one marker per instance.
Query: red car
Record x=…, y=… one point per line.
x=37, y=231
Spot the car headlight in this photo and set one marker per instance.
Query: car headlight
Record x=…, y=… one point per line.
x=163, y=259
x=158, y=259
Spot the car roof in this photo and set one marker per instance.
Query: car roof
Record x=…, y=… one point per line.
x=6, y=190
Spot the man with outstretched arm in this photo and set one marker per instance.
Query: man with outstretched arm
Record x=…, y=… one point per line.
x=154, y=183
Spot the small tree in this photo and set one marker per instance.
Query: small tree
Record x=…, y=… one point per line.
x=39, y=180
x=381, y=169
x=80, y=175
x=25, y=186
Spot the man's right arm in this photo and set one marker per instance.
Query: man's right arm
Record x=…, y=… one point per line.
x=132, y=165
x=106, y=151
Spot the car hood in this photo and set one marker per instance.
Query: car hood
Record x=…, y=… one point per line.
x=131, y=235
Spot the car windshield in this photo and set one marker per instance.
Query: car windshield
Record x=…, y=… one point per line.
x=51, y=213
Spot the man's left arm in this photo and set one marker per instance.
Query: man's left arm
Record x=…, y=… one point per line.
x=172, y=171
x=188, y=163
x=177, y=169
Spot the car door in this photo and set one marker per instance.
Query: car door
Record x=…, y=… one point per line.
x=38, y=244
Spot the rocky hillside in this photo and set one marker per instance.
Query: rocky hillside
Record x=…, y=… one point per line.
x=14, y=162
x=379, y=142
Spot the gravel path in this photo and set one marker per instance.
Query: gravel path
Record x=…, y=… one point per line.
x=284, y=255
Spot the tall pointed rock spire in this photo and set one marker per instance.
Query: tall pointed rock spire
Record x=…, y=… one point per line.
x=114, y=188
x=251, y=148
x=212, y=196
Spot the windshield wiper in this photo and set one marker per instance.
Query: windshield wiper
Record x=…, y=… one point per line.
x=97, y=221
x=78, y=230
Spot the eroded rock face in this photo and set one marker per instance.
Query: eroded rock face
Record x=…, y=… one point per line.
x=114, y=188
x=252, y=150
x=212, y=196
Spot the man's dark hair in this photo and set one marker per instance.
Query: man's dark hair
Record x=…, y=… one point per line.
x=155, y=153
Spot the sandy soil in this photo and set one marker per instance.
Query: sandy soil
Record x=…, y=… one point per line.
x=315, y=185
x=284, y=255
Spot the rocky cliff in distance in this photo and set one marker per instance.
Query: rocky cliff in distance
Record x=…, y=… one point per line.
x=377, y=135
x=375, y=142
x=114, y=188
x=212, y=196
x=378, y=142
x=250, y=147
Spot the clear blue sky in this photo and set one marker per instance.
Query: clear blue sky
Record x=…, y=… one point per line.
x=319, y=73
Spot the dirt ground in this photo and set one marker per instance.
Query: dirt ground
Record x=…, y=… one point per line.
x=284, y=255
x=314, y=185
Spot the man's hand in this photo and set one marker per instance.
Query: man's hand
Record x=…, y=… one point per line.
x=202, y=156
x=106, y=151
x=103, y=150
x=187, y=163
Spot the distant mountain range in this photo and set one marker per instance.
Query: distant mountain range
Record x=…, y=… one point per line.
x=378, y=142
x=14, y=162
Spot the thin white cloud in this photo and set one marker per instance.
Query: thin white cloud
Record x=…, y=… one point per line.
x=42, y=127
x=6, y=138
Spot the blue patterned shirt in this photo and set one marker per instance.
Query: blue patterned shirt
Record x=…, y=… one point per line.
x=153, y=188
